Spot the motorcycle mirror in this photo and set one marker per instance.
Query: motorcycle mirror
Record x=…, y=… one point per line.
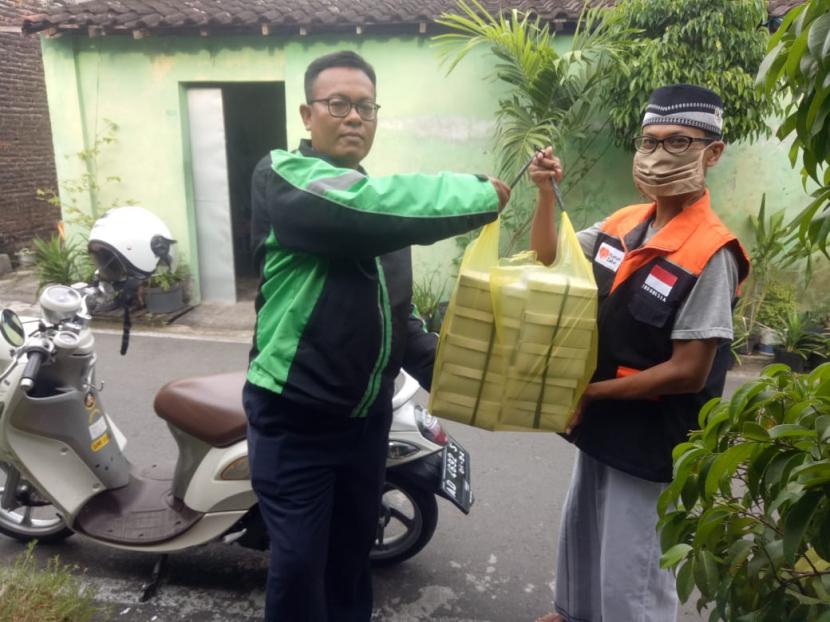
x=12, y=328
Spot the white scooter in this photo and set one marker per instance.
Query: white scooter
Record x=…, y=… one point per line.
x=64, y=471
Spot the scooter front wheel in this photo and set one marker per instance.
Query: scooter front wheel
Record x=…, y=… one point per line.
x=24, y=513
x=408, y=517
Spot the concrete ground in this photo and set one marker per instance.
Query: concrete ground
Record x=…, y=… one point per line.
x=19, y=291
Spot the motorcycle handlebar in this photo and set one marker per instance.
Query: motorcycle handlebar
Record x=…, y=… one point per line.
x=36, y=358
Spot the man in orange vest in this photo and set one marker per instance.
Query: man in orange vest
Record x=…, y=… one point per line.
x=667, y=275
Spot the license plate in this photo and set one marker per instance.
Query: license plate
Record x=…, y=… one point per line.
x=455, y=476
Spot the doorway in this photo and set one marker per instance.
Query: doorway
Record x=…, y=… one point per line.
x=254, y=125
x=232, y=127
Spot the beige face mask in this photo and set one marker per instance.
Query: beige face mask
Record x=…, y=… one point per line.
x=664, y=174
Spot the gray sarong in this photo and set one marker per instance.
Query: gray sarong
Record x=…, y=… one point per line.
x=608, y=566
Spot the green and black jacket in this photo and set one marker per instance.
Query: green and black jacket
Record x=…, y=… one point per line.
x=334, y=310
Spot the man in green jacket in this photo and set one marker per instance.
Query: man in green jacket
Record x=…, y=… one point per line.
x=334, y=327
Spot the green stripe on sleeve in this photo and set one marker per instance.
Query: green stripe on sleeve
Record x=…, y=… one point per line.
x=416, y=195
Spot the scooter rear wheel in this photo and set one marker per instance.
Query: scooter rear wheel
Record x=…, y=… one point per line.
x=29, y=515
x=408, y=518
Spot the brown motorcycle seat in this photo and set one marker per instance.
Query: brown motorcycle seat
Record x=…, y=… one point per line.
x=207, y=407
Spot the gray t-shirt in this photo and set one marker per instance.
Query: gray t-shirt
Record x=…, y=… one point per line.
x=707, y=311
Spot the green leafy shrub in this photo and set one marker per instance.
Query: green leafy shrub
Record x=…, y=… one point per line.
x=51, y=594
x=165, y=279
x=88, y=186
x=60, y=262
x=740, y=338
x=716, y=43
x=798, y=66
x=794, y=336
x=769, y=235
x=819, y=316
x=81, y=206
x=427, y=293
x=746, y=519
x=778, y=303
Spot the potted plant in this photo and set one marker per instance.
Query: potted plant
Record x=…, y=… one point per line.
x=820, y=354
x=426, y=297
x=743, y=340
x=796, y=343
x=25, y=258
x=820, y=357
x=765, y=298
x=164, y=290
x=779, y=302
x=740, y=339
x=60, y=262
x=819, y=325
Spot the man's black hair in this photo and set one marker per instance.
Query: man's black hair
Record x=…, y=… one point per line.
x=343, y=58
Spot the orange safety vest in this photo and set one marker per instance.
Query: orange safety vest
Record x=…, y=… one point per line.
x=690, y=239
x=641, y=288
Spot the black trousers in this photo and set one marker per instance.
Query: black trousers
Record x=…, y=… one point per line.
x=318, y=480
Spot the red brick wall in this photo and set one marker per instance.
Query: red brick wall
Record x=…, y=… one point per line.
x=26, y=155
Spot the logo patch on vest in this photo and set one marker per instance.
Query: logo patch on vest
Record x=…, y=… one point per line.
x=659, y=282
x=609, y=257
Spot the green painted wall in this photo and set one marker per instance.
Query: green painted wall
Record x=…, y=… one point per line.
x=428, y=122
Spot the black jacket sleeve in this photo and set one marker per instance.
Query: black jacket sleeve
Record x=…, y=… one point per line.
x=419, y=356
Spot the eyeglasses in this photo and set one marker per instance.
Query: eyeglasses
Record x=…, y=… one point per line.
x=340, y=107
x=673, y=144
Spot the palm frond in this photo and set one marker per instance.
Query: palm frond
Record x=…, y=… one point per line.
x=552, y=96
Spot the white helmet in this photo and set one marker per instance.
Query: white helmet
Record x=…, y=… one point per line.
x=129, y=242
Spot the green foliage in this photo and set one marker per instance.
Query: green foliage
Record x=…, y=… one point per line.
x=552, y=97
x=747, y=517
x=427, y=293
x=798, y=65
x=60, y=262
x=51, y=594
x=165, y=279
x=767, y=254
x=769, y=239
x=795, y=336
x=713, y=43
x=778, y=303
x=88, y=186
x=820, y=315
x=740, y=338
x=551, y=93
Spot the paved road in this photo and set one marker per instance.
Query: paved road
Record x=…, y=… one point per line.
x=494, y=565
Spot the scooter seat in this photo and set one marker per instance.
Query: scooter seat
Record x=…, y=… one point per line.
x=207, y=407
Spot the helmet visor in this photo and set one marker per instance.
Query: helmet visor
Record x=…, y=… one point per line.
x=108, y=263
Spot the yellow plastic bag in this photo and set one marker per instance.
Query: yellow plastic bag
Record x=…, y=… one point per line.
x=519, y=341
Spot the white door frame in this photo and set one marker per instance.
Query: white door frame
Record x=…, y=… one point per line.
x=211, y=196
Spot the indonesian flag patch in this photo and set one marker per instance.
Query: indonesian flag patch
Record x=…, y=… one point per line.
x=659, y=282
